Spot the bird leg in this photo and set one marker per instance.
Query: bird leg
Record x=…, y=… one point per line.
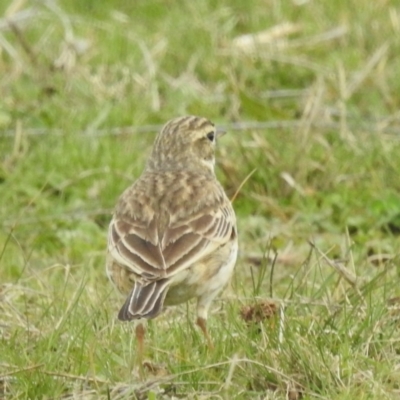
x=140, y=331
x=202, y=323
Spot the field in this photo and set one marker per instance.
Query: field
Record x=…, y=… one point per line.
x=309, y=93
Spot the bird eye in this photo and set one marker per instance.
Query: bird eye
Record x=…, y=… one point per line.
x=210, y=136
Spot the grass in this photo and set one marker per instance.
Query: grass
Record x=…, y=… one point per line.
x=312, y=113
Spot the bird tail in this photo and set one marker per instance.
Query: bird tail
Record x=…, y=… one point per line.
x=144, y=301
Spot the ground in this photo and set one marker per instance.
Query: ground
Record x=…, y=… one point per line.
x=309, y=95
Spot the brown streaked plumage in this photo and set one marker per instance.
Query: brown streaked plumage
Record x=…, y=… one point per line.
x=173, y=234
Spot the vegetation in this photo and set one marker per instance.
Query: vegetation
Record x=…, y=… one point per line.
x=309, y=93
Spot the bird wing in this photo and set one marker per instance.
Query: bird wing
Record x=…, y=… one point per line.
x=162, y=245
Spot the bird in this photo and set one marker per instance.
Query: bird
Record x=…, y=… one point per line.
x=173, y=233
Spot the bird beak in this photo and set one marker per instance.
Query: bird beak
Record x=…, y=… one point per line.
x=220, y=132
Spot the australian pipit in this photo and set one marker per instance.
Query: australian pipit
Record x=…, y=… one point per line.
x=173, y=233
